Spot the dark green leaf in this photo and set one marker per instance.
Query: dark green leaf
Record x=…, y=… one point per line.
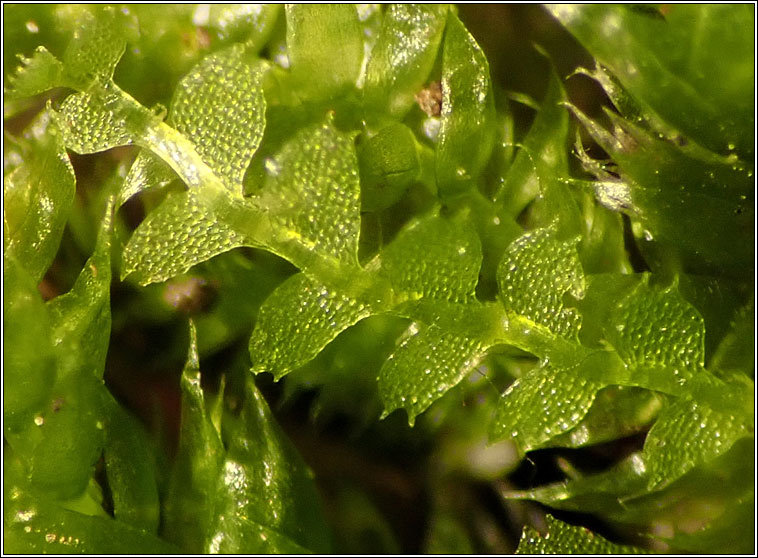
x=694, y=67
x=130, y=469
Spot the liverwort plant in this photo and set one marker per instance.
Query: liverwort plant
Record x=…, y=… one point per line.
x=348, y=181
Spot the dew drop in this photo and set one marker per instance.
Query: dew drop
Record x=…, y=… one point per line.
x=272, y=167
x=431, y=128
x=39, y=420
x=32, y=26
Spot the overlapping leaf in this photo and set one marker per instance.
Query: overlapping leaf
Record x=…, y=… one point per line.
x=250, y=493
x=677, y=54
x=298, y=320
x=325, y=48
x=403, y=56
x=562, y=538
x=467, y=127
x=38, y=193
x=74, y=331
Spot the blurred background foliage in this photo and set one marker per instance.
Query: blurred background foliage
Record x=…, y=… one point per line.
x=386, y=486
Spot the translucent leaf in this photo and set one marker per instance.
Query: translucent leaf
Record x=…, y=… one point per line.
x=248, y=23
x=81, y=318
x=389, y=164
x=298, y=320
x=325, y=48
x=403, y=56
x=130, y=470
x=545, y=141
x=657, y=328
x=563, y=538
x=37, y=196
x=535, y=272
x=98, y=45
x=616, y=412
x=687, y=434
x=679, y=56
x=434, y=257
x=312, y=195
x=182, y=232
x=199, y=458
x=28, y=361
x=467, y=120
x=431, y=359
x=266, y=481
x=36, y=74
x=90, y=126
x=147, y=171
x=220, y=107
x=545, y=403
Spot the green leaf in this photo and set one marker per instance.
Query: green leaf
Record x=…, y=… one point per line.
x=434, y=257
x=37, y=194
x=80, y=330
x=657, y=327
x=545, y=142
x=130, y=470
x=616, y=412
x=325, y=48
x=447, y=535
x=35, y=75
x=188, y=509
x=736, y=350
x=535, y=272
x=220, y=107
x=297, y=321
x=467, y=120
x=238, y=486
x=147, y=171
x=33, y=524
x=389, y=163
x=248, y=23
x=670, y=191
x=676, y=65
x=403, y=56
x=312, y=194
x=563, y=538
x=688, y=434
x=431, y=359
x=731, y=532
x=28, y=360
x=81, y=318
x=97, y=46
x=90, y=126
x=266, y=481
x=545, y=403
x=182, y=232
